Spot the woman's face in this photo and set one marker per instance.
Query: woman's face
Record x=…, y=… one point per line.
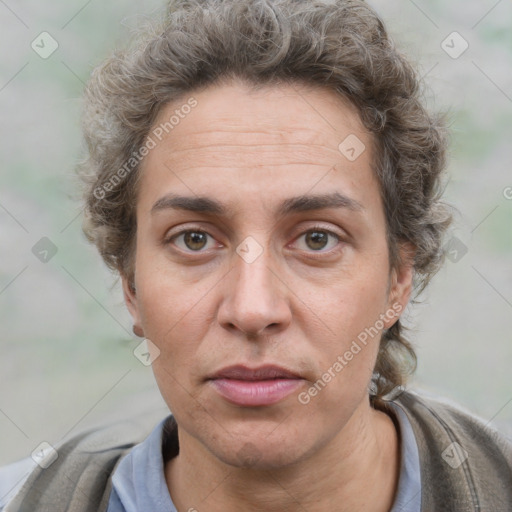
x=261, y=240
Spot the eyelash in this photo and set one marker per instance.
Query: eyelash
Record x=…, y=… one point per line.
x=169, y=240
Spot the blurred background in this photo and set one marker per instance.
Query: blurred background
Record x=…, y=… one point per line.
x=67, y=357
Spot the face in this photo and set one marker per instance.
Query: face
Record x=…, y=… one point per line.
x=261, y=241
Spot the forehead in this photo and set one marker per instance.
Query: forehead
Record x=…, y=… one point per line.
x=287, y=113
x=242, y=139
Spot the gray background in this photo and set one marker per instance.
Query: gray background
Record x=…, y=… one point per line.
x=67, y=349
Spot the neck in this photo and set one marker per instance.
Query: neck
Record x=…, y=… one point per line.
x=356, y=470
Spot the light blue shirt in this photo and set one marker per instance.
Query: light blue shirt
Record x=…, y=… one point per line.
x=408, y=496
x=139, y=481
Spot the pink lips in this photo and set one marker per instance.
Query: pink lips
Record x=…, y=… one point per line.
x=265, y=385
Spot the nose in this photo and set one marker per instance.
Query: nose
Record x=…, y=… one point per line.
x=256, y=298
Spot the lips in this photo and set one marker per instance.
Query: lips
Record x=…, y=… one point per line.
x=251, y=387
x=266, y=372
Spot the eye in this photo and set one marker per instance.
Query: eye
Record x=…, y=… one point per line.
x=195, y=240
x=317, y=238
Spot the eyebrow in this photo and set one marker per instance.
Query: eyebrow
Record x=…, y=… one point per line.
x=303, y=203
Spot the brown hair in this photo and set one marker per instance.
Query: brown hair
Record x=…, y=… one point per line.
x=341, y=45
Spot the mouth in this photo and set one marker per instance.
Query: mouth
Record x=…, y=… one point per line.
x=253, y=387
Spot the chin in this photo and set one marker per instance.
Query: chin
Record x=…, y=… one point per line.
x=261, y=454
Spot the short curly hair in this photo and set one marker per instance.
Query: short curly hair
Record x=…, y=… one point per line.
x=341, y=45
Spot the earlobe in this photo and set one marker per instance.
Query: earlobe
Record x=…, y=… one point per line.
x=130, y=299
x=402, y=281
x=138, y=331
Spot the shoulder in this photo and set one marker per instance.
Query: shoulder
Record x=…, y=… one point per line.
x=77, y=477
x=463, y=459
x=12, y=478
x=442, y=414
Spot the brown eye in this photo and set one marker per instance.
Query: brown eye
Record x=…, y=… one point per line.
x=193, y=240
x=318, y=239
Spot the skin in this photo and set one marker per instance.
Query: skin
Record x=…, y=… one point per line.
x=298, y=304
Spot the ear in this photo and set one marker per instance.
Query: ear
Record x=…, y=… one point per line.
x=400, y=283
x=130, y=299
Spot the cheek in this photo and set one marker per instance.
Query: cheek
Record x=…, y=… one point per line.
x=176, y=316
x=165, y=298
x=174, y=320
x=356, y=303
x=170, y=320
x=354, y=311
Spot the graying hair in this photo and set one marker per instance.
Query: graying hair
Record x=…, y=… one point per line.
x=340, y=45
